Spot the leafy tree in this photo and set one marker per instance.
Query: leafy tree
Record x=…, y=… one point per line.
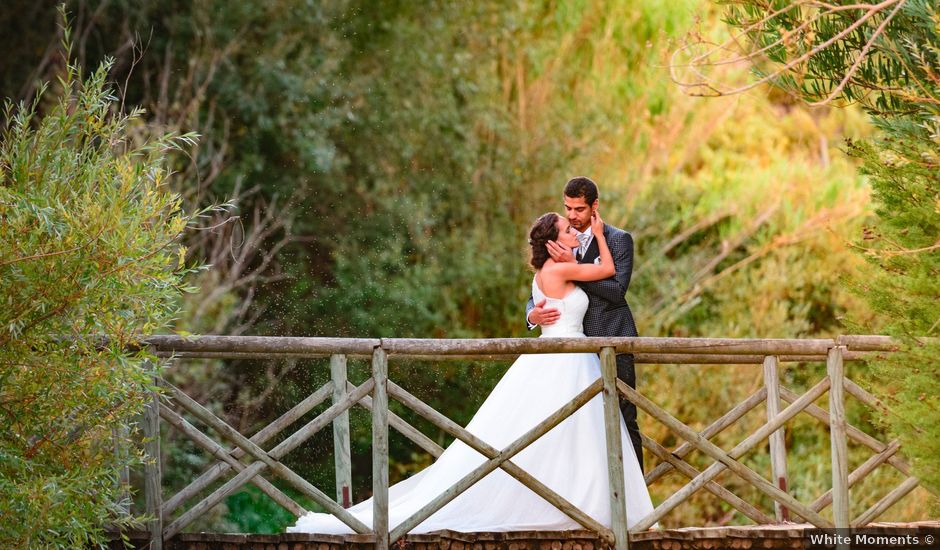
x=884, y=57
x=90, y=261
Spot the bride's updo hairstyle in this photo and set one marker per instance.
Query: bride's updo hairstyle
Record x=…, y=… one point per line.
x=542, y=231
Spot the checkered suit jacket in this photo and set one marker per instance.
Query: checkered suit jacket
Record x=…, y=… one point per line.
x=608, y=313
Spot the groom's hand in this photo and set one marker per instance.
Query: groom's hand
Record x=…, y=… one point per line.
x=543, y=316
x=558, y=252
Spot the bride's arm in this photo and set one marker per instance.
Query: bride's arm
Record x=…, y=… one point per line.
x=591, y=272
x=613, y=288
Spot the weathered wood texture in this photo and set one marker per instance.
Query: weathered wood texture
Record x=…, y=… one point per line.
x=770, y=353
x=838, y=443
x=639, y=358
x=406, y=429
x=120, y=434
x=320, y=347
x=690, y=472
x=380, y=449
x=214, y=449
x=778, y=450
x=612, y=420
x=341, y=445
x=507, y=453
x=726, y=460
x=153, y=476
x=277, y=452
x=260, y=438
x=716, y=427
x=477, y=444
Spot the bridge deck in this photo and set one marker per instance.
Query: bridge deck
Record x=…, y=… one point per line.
x=789, y=535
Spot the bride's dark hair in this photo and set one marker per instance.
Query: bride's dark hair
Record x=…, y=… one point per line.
x=543, y=230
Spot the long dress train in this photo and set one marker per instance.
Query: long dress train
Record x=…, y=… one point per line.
x=570, y=458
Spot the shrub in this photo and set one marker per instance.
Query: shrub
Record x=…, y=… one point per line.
x=89, y=262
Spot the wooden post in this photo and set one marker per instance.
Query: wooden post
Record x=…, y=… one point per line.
x=778, y=449
x=837, y=432
x=380, y=449
x=119, y=434
x=618, y=509
x=153, y=477
x=341, y=447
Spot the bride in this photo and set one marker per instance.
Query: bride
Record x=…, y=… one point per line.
x=570, y=459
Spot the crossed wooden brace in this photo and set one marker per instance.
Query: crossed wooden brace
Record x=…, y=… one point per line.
x=673, y=460
x=267, y=459
x=220, y=468
x=498, y=459
x=229, y=459
x=885, y=453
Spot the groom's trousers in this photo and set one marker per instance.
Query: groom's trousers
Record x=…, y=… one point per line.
x=627, y=372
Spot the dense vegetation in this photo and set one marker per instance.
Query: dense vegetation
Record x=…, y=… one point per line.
x=387, y=158
x=884, y=58
x=90, y=261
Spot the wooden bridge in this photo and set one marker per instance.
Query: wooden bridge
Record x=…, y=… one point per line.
x=248, y=460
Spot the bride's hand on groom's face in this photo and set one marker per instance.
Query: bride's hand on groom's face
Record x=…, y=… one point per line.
x=597, y=224
x=558, y=252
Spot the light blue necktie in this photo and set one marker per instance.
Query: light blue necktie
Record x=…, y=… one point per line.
x=583, y=238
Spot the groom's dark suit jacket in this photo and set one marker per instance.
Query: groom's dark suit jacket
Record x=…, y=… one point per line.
x=609, y=315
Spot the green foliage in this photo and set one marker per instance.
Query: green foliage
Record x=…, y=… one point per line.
x=89, y=262
x=885, y=59
x=407, y=146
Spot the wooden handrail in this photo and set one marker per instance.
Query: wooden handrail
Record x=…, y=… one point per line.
x=446, y=347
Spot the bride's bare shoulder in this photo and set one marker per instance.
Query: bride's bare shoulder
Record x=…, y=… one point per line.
x=550, y=271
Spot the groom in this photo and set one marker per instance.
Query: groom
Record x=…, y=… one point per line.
x=608, y=313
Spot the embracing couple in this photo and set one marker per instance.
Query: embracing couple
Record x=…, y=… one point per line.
x=582, y=271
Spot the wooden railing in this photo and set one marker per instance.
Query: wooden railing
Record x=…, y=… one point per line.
x=375, y=392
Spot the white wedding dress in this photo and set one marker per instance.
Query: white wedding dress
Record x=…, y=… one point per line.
x=571, y=458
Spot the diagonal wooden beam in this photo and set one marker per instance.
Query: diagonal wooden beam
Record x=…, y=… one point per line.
x=886, y=502
x=727, y=460
x=214, y=498
x=233, y=435
x=710, y=431
x=481, y=471
x=276, y=453
x=406, y=429
x=865, y=397
x=218, y=469
x=210, y=446
x=855, y=434
x=859, y=473
x=712, y=487
x=449, y=426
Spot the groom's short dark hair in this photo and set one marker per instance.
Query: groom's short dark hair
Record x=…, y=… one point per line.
x=581, y=187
